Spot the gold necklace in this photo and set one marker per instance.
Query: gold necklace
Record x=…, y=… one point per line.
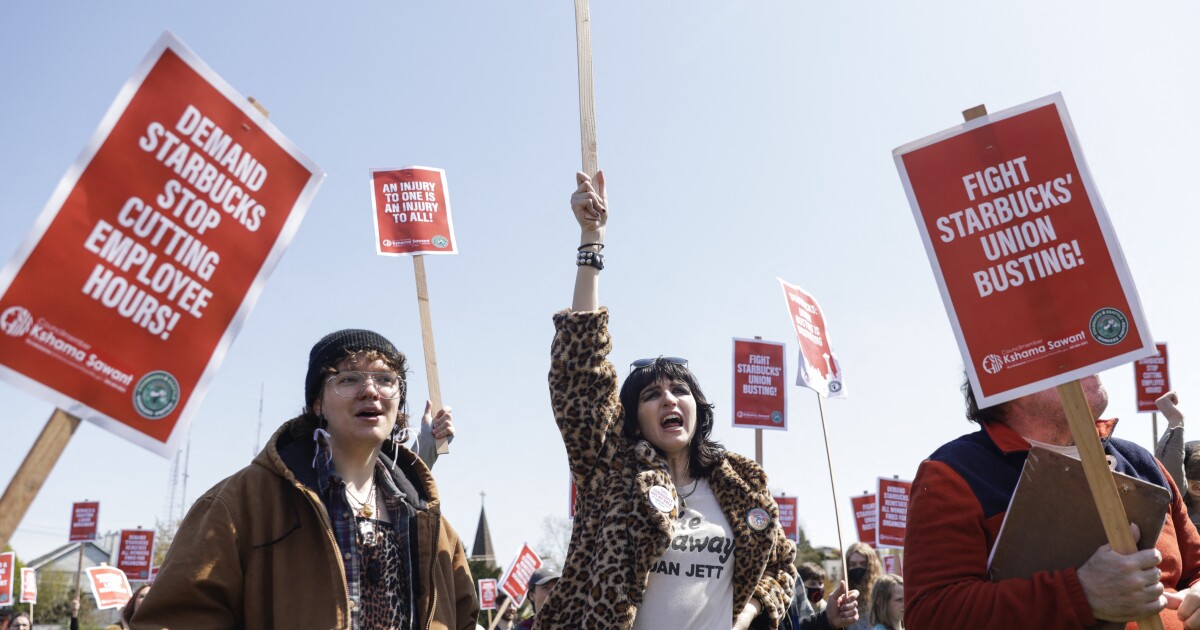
x=366, y=507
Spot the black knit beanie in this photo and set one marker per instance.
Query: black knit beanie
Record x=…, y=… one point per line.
x=336, y=345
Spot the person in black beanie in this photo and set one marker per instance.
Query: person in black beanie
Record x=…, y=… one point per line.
x=334, y=525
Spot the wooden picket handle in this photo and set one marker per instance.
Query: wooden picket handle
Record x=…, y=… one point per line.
x=431, y=369
x=34, y=470
x=587, y=97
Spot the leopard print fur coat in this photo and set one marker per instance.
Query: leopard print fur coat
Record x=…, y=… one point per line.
x=618, y=534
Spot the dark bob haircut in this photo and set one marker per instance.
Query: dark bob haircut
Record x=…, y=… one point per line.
x=706, y=454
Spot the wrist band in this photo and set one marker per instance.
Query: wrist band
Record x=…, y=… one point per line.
x=590, y=259
x=599, y=246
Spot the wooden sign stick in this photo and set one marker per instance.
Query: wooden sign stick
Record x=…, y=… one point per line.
x=837, y=517
x=587, y=97
x=431, y=369
x=34, y=470
x=1095, y=465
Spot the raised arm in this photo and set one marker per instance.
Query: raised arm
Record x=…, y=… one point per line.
x=590, y=206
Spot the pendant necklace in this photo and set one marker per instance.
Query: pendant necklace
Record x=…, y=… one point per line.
x=366, y=508
x=682, y=505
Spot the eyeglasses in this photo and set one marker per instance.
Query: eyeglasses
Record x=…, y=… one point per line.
x=641, y=363
x=353, y=383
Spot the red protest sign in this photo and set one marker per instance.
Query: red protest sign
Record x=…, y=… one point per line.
x=143, y=265
x=515, y=581
x=1030, y=270
x=574, y=496
x=84, y=521
x=1151, y=378
x=109, y=586
x=787, y=516
x=487, y=594
x=412, y=211
x=28, y=586
x=135, y=553
x=891, y=513
x=819, y=367
x=759, y=384
x=7, y=564
x=892, y=564
x=865, y=518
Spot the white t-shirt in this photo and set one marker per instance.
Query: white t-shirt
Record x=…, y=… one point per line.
x=691, y=585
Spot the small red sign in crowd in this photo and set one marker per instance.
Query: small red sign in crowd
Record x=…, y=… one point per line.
x=891, y=513
x=110, y=587
x=487, y=594
x=865, y=517
x=1152, y=380
x=136, y=553
x=515, y=581
x=412, y=211
x=7, y=566
x=819, y=368
x=759, y=384
x=83, y=521
x=787, y=517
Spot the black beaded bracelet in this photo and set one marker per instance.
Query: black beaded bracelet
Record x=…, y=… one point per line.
x=590, y=259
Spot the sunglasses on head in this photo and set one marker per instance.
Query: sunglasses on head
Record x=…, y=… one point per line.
x=641, y=363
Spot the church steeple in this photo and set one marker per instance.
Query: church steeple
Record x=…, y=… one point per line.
x=482, y=550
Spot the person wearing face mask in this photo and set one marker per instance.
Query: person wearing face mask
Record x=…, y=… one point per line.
x=863, y=569
x=335, y=524
x=671, y=530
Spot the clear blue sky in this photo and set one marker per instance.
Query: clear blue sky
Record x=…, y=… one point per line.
x=743, y=141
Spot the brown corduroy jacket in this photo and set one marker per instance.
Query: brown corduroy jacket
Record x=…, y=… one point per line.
x=258, y=551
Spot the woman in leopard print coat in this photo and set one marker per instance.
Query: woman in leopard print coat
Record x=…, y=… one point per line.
x=637, y=555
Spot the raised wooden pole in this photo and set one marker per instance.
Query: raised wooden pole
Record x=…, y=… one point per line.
x=587, y=97
x=837, y=515
x=34, y=470
x=431, y=369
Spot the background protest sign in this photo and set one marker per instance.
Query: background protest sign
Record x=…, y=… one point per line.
x=515, y=581
x=1030, y=271
x=412, y=211
x=787, y=516
x=891, y=513
x=109, y=586
x=759, y=384
x=84, y=517
x=487, y=594
x=819, y=368
x=865, y=517
x=7, y=565
x=124, y=298
x=1152, y=379
x=135, y=553
x=28, y=586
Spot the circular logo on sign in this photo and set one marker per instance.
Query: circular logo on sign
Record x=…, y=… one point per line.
x=439, y=241
x=661, y=498
x=1109, y=326
x=835, y=386
x=156, y=395
x=387, y=242
x=777, y=417
x=993, y=363
x=16, y=321
x=758, y=519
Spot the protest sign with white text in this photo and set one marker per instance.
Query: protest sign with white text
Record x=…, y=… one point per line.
x=865, y=518
x=759, y=384
x=819, y=368
x=7, y=570
x=891, y=513
x=1029, y=268
x=412, y=211
x=110, y=588
x=84, y=521
x=487, y=594
x=1152, y=379
x=122, y=301
x=515, y=581
x=28, y=586
x=135, y=553
x=787, y=516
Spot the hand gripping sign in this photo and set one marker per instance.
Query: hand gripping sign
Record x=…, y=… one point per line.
x=147, y=259
x=819, y=367
x=1029, y=268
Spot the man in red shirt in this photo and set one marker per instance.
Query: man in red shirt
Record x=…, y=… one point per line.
x=960, y=496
